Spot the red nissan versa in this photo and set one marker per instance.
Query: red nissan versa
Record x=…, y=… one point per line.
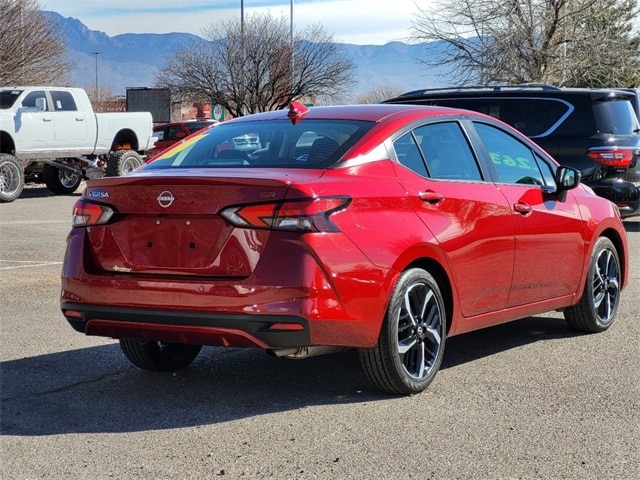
x=385, y=228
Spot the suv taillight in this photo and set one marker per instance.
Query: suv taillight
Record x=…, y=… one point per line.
x=615, y=157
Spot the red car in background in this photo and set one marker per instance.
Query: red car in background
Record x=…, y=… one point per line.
x=385, y=228
x=170, y=133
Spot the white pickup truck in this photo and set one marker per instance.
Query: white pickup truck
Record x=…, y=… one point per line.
x=54, y=135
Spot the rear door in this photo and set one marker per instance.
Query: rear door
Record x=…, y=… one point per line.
x=469, y=216
x=549, y=245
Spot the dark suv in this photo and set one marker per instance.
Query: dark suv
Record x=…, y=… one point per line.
x=593, y=130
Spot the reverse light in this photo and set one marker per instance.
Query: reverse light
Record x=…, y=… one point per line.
x=86, y=214
x=615, y=157
x=307, y=215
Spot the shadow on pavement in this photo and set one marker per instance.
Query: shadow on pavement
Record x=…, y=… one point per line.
x=96, y=390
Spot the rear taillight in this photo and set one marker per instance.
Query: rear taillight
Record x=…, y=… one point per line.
x=308, y=215
x=615, y=157
x=86, y=214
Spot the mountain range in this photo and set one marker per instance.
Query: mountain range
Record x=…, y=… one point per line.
x=132, y=59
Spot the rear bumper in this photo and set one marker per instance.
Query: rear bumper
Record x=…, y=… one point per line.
x=289, y=300
x=625, y=194
x=200, y=328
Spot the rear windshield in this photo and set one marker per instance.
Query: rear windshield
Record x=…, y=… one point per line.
x=274, y=143
x=8, y=98
x=615, y=117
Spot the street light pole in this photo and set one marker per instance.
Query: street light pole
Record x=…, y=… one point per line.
x=96, y=54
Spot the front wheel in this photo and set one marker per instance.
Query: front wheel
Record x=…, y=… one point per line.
x=158, y=356
x=122, y=162
x=411, y=344
x=59, y=180
x=601, y=296
x=11, y=178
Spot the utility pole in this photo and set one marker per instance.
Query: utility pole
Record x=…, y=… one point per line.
x=96, y=54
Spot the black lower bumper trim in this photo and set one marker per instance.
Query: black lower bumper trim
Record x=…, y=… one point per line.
x=257, y=326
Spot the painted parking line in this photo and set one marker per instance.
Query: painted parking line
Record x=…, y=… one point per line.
x=25, y=264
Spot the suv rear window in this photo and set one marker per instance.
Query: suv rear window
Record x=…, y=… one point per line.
x=269, y=144
x=616, y=117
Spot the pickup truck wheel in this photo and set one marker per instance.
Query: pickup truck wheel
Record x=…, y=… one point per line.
x=122, y=162
x=11, y=178
x=158, y=356
x=60, y=181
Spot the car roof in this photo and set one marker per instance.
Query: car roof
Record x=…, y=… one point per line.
x=523, y=90
x=369, y=113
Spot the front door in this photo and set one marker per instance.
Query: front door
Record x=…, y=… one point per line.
x=549, y=251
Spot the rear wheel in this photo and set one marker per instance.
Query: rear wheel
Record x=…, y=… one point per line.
x=599, y=304
x=11, y=178
x=411, y=344
x=59, y=180
x=122, y=162
x=158, y=356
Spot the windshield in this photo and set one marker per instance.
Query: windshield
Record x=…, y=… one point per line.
x=8, y=98
x=274, y=143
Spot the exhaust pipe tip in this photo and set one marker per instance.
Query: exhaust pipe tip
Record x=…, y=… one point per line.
x=300, y=353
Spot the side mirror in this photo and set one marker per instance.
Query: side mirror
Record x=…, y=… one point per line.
x=41, y=104
x=567, y=178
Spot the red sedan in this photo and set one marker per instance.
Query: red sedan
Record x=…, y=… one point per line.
x=385, y=228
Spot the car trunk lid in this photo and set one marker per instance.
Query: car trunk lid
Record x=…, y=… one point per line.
x=169, y=225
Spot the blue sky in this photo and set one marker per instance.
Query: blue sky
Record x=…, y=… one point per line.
x=360, y=22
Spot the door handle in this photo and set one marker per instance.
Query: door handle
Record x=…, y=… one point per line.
x=430, y=196
x=47, y=119
x=522, y=208
x=79, y=119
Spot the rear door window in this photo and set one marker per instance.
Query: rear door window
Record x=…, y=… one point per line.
x=439, y=151
x=63, y=101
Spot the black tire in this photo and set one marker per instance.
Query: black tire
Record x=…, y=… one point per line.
x=412, y=339
x=59, y=180
x=11, y=178
x=158, y=356
x=122, y=162
x=601, y=297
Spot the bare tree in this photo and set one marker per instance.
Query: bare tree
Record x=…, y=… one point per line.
x=562, y=42
x=32, y=51
x=378, y=94
x=104, y=99
x=257, y=68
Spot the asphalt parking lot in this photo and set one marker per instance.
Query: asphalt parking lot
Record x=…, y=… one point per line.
x=526, y=400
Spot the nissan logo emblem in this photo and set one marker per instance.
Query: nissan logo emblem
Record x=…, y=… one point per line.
x=165, y=199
